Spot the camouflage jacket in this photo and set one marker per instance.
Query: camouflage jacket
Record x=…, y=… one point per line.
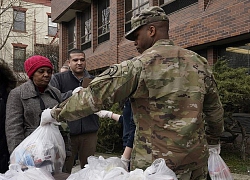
x=173, y=95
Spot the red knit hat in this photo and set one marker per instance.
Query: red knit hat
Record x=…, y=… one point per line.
x=35, y=62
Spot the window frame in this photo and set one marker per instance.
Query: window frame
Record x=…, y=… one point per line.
x=16, y=12
x=18, y=63
x=86, y=38
x=71, y=26
x=138, y=6
x=103, y=23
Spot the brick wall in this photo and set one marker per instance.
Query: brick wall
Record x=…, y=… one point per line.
x=78, y=30
x=200, y=24
x=63, y=34
x=43, y=2
x=211, y=55
x=193, y=26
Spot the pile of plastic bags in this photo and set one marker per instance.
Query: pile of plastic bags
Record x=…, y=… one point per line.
x=112, y=168
x=42, y=154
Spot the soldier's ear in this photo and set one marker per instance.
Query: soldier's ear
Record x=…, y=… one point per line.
x=151, y=30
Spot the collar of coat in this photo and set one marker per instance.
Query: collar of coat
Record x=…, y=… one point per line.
x=28, y=90
x=85, y=75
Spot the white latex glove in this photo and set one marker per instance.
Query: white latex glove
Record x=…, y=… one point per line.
x=76, y=90
x=125, y=162
x=104, y=114
x=47, y=118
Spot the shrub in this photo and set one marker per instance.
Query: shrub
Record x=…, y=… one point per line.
x=110, y=134
x=234, y=87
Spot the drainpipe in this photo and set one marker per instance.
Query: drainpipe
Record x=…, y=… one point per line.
x=34, y=32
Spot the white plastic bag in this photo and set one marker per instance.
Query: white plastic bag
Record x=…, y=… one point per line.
x=118, y=173
x=159, y=170
x=8, y=175
x=218, y=170
x=136, y=174
x=99, y=168
x=101, y=164
x=44, y=148
x=86, y=173
x=31, y=173
x=113, y=169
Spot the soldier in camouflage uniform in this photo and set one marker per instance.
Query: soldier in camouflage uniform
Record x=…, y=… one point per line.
x=173, y=95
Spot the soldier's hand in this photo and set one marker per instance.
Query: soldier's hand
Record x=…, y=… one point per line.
x=47, y=118
x=76, y=90
x=104, y=114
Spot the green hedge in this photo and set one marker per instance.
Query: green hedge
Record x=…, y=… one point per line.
x=234, y=87
x=110, y=134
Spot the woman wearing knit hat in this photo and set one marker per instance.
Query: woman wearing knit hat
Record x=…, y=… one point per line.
x=26, y=102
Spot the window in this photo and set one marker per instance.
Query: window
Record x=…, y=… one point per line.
x=86, y=35
x=19, y=20
x=133, y=7
x=237, y=54
x=103, y=21
x=52, y=27
x=19, y=55
x=165, y=1
x=172, y=6
x=202, y=52
x=71, y=35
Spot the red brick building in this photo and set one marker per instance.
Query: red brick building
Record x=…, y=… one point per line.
x=212, y=28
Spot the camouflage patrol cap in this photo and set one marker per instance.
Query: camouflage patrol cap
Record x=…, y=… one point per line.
x=146, y=16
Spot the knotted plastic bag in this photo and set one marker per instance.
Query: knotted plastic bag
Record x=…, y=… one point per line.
x=159, y=170
x=44, y=148
x=218, y=170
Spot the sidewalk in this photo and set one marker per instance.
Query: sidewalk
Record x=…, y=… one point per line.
x=240, y=177
x=76, y=169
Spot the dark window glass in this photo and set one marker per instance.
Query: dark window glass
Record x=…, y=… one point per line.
x=177, y=4
x=237, y=55
x=133, y=7
x=19, y=19
x=103, y=20
x=86, y=35
x=165, y=1
x=202, y=53
x=18, y=59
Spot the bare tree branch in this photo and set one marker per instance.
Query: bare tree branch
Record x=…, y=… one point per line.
x=4, y=8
